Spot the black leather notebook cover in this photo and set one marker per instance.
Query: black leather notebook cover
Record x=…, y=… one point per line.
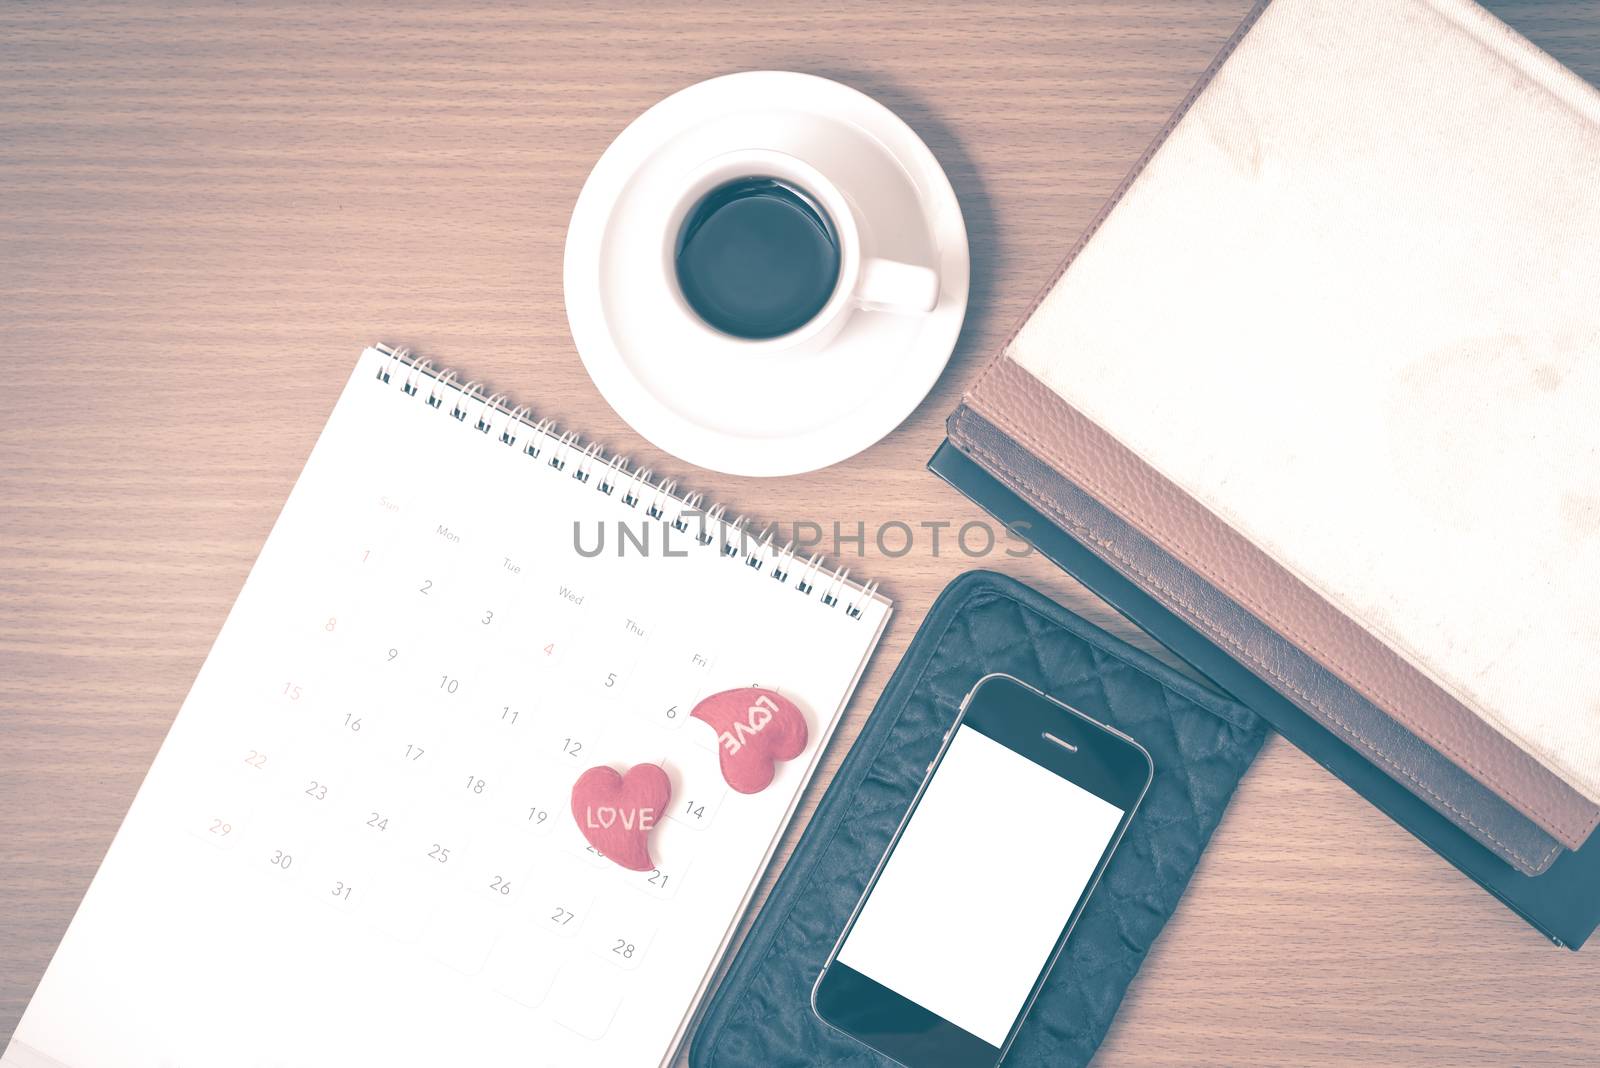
x=1201, y=743
x=1563, y=903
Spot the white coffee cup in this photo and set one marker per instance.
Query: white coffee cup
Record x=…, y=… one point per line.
x=864, y=281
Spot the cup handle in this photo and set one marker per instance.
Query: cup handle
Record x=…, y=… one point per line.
x=888, y=285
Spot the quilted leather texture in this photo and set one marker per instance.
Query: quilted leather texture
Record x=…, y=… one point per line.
x=1201, y=744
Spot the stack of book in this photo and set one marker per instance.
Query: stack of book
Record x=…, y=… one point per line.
x=1313, y=403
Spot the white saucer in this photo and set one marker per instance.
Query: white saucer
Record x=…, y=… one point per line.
x=775, y=414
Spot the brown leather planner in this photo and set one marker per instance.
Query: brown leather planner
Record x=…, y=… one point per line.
x=1398, y=753
x=1314, y=381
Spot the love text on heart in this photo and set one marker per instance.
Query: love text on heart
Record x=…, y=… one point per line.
x=603, y=817
x=756, y=718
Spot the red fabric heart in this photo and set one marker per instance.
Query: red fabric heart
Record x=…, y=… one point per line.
x=755, y=729
x=616, y=813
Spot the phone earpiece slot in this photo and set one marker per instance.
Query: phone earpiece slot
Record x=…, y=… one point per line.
x=1068, y=746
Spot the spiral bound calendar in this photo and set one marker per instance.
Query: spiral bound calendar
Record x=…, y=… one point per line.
x=355, y=846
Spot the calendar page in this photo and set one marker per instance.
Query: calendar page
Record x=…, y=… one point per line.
x=356, y=846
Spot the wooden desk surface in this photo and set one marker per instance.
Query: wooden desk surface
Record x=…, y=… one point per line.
x=205, y=213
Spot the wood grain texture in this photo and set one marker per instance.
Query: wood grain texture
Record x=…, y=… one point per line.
x=205, y=212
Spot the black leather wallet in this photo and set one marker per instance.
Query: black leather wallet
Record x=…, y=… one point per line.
x=1201, y=743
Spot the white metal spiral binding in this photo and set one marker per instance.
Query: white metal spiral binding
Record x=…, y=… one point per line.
x=494, y=415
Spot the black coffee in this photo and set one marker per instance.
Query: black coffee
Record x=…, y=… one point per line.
x=757, y=258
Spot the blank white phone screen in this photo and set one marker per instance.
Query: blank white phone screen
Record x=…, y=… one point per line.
x=980, y=885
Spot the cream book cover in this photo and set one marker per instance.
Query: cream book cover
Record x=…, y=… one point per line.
x=1366, y=337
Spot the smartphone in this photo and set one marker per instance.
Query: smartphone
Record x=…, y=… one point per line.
x=988, y=872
